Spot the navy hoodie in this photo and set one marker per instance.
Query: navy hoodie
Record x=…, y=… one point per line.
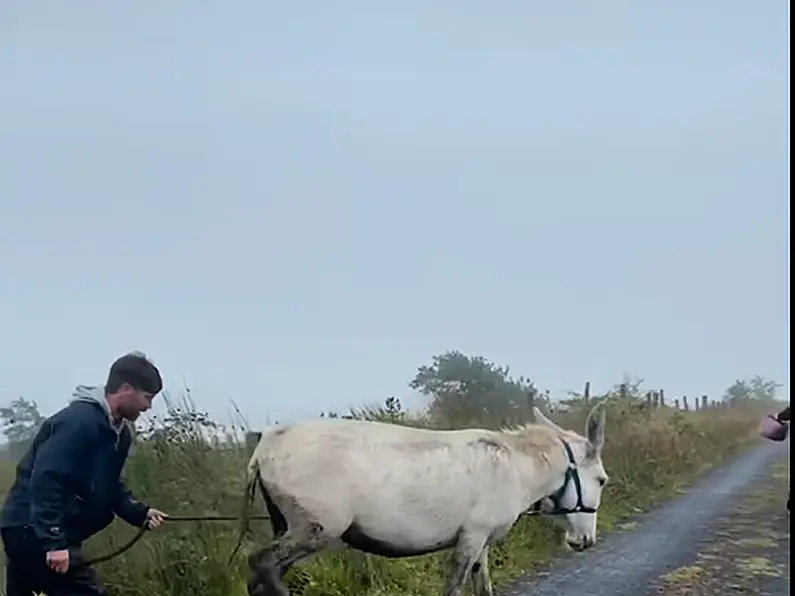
x=68, y=485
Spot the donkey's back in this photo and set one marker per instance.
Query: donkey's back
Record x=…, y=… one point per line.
x=345, y=434
x=335, y=448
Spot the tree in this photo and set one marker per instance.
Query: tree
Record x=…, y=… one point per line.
x=757, y=388
x=763, y=389
x=21, y=420
x=467, y=390
x=738, y=391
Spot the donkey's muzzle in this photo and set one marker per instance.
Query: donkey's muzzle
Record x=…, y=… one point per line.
x=580, y=545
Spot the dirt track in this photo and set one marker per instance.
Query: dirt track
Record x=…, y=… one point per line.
x=748, y=551
x=727, y=535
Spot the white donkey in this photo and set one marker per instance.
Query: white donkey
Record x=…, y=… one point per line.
x=397, y=492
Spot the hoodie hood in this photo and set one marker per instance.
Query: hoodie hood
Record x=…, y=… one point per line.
x=96, y=395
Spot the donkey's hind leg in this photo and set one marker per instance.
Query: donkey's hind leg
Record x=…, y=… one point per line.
x=265, y=579
x=481, y=582
x=298, y=544
x=270, y=565
x=467, y=551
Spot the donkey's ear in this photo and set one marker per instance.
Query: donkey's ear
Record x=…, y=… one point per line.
x=595, y=428
x=541, y=419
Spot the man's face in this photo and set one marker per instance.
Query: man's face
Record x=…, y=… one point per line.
x=133, y=402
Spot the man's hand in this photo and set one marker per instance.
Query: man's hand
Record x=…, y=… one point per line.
x=58, y=560
x=155, y=518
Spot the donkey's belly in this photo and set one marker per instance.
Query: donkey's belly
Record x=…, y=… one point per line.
x=395, y=546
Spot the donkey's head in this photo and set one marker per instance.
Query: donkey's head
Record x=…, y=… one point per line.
x=579, y=493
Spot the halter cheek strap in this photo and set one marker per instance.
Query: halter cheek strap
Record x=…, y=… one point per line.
x=572, y=475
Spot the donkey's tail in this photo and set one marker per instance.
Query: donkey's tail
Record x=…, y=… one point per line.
x=252, y=481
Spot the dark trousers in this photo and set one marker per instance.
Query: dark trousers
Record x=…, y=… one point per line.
x=27, y=572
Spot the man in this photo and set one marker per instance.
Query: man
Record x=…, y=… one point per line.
x=68, y=484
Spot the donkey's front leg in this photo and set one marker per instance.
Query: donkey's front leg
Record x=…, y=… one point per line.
x=467, y=551
x=481, y=582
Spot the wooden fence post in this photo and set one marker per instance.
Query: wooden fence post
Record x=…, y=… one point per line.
x=676, y=404
x=685, y=407
x=704, y=401
x=662, y=398
x=586, y=394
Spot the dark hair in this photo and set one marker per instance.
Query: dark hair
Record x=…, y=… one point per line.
x=136, y=370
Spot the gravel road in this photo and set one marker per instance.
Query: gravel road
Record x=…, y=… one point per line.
x=729, y=534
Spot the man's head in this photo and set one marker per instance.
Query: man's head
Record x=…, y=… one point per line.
x=132, y=383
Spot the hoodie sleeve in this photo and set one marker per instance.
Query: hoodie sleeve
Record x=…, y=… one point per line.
x=58, y=461
x=127, y=507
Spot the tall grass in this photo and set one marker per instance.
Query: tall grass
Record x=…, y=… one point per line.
x=648, y=454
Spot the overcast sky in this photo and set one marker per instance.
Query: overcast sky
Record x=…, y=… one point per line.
x=296, y=204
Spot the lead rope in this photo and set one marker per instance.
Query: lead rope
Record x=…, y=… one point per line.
x=143, y=530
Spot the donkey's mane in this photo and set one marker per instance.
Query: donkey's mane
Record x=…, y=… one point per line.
x=538, y=440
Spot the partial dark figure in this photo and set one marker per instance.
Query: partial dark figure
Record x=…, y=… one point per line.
x=783, y=417
x=68, y=485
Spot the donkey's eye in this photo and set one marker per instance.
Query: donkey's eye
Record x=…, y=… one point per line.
x=601, y=481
